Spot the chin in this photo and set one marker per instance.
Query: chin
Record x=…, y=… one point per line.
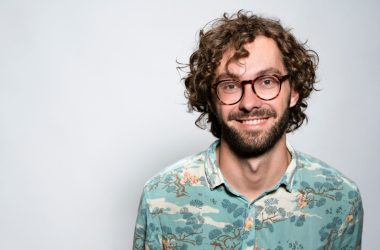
x=255, y=142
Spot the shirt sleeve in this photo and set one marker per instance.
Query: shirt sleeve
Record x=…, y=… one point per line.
x=147, y=229
x=351, y=235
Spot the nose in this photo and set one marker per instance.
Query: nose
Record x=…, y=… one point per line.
x=249, y=100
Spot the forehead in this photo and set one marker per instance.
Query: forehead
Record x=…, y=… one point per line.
x=264, y=54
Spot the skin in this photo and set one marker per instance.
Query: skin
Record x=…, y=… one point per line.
x=251, y=176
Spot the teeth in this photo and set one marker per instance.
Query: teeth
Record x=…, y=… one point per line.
x=253, y=122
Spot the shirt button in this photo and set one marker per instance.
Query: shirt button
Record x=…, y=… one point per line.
x=248, y=223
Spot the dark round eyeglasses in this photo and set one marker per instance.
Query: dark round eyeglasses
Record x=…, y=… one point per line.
x=266, y=87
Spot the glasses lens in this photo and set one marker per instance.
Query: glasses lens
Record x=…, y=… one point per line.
x=267, y=87
x=229, y=92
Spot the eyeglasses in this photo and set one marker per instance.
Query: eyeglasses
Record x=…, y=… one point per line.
x=266, y=87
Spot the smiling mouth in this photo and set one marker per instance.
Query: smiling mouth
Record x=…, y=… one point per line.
x=253, y=121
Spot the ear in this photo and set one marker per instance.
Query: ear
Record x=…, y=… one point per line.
x=294, y=95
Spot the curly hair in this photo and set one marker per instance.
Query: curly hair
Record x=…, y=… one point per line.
x=233, y=32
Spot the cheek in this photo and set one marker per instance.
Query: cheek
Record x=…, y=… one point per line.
x=283, y=106
x=284, y=101
x=222, y=111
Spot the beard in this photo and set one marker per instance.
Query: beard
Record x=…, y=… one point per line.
x=254, y=143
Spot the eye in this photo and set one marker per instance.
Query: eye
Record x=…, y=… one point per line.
x=267, y=82
x=229, y=86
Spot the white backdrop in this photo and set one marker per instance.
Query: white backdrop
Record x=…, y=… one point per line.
x=91, y=106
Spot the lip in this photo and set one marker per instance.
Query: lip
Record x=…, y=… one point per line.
x=253, y=121
x=253, y=118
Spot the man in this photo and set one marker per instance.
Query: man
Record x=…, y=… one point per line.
x=249, y=78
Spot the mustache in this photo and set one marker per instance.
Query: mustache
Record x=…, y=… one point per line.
x=255, y=113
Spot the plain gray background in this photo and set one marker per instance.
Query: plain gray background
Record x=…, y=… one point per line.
x=91, y=106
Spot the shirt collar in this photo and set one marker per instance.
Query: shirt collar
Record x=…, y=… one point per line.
x=213, y=174
x=215, y=177
x=287, y=179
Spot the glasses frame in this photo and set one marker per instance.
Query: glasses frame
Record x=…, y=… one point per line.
x=281, y=79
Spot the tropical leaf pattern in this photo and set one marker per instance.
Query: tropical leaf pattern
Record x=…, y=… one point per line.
x=189, y=205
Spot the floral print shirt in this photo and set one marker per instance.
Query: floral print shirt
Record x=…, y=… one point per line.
x=190, y=205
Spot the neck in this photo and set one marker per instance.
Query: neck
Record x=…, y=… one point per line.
x=251, y=176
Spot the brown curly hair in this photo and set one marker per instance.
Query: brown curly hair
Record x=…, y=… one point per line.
x=233, y=32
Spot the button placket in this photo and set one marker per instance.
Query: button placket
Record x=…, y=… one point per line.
x=249, y=227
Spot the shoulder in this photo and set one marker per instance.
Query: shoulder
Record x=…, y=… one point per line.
x=314, y=174
x=325, y=191
x=191, y=163
x=173, y=179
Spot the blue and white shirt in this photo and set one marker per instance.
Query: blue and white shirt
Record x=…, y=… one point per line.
x=190, y=205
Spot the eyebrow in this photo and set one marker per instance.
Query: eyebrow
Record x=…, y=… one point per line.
x=269, y=71
x=224, y=76
x=263, y=72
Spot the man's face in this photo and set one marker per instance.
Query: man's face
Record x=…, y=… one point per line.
x=253, y=126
